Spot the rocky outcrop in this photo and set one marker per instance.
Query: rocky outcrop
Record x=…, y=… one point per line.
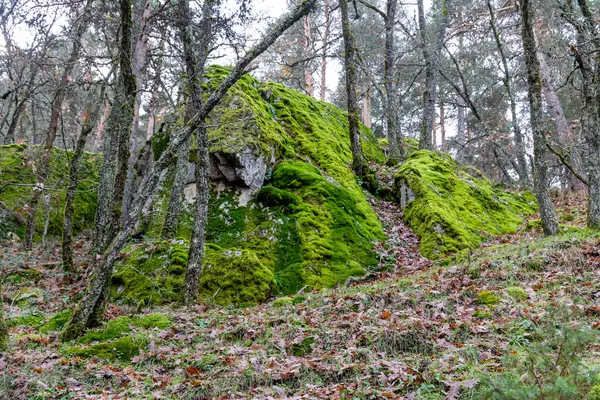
x=452, y=208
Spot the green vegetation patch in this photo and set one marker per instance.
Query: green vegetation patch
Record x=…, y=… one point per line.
x=487, y=298
x=17, y=174
x=453, y=210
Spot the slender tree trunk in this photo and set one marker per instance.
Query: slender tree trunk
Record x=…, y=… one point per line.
x=431, y=67
x=169, y=230
x=563, y=127
x=89, y=120
x=308, y=78
x=519, y=141
x=115, y=162
x=541, y=179
x=44, y=166
x=91, y=306
x=142, y=14
x=326, y=35
x=367, y=109
x=3, y=331
x=443, y=127
x=591, y=120
x=99, y=140
x=351, y=83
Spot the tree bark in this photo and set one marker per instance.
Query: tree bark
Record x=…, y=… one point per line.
x=115, y=159
x=591, y=120
x=519, y=141
x=541, y=179
x=140, y=32
x=91, y=307
x=308, y=78
x=169, y=230
x=326, y=35
x=431, y=67
x=351, y=83
x=89, y=120
x=57, y=102
x=443, y=127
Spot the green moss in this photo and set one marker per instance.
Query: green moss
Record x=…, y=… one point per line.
x=517, y=293
x=122, y=349
x=27, y=319
x=487, y=298
x=151, y=273
x=482, y=314
x=282, y=302
x=594, y=393
x=28, y=274
x=122, y=326
x=56, y=322
x=272, y=196
x=233, y=276
x=453, y=210
x=311, y=225
x=17, y=163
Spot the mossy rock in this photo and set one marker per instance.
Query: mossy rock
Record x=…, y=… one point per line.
x=122, y=326
x=122, y=349
x=517, y=293
x=451, y=209
x=282, y=302
x=17, y=164
x=28, y=296
x=154, y=274
x=487, y=298
x=594, y=393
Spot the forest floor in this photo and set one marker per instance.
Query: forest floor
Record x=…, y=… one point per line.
x=519, y=314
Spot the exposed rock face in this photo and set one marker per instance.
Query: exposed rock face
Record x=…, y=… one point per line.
x=450, y=209
x=245, y=167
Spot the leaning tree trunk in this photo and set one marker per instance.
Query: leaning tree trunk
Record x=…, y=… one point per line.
x=541, y=179
x=115, y=162
x=91, y=306
x=44, y=167
x=351, y=83
x=432, y=60
x=519, y=140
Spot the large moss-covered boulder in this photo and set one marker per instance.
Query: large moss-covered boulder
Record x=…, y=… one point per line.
x=450, y=209
x=286, y=210
x=18, y=163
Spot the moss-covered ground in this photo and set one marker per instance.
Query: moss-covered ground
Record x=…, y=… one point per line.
x=516, y=318
x=456, y=208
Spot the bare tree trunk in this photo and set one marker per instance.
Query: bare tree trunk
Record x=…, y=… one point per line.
x=591, y=120
x=431, y=66
x=142, y=14
x=89, y=119
x=351, y=83
x=101, y=126
x=308, y=78
x=3, y=332
x=326, y=35
x=169, y=230
x=115, y=160
x=519, y=142
x=541, y=180
x=91, y=307
x=396, y=142
x=443, y=126
x=366, y=109
x=44, y=166
x=563, y=127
